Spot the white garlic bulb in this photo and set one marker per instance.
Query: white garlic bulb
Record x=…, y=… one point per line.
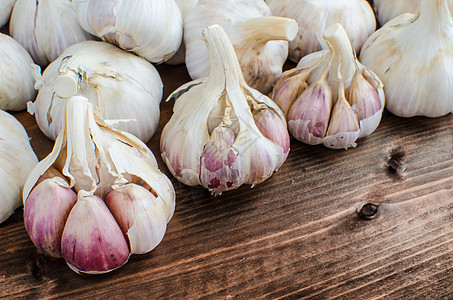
x=222, y=133
x=16, y=79
x=98, y=196
x=356, y=17
x=260, y=40
x=18, y=159
x=6, y=6
x=330, y=98
x=121, y=85
x=46, y=28
x=389, y=9
x=411, y=54
x=150, y=28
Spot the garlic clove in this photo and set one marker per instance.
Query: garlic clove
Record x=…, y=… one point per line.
x=140, y=216
x=343, y=128
x=92, y=241
x=309, y=116
x=46, y=211
x=289, y=87
x=274, y=128
x=364, y=97
x=219, y=164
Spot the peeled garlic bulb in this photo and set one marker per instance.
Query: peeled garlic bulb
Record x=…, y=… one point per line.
x=87, y=213
x=46, y=28
x=260, y=40
x=330, y=98
x=222, y=133
x=18, y=159
x=16, y=79
x=389, y=9
x=6, y=6
x=120, y=85
x=149, y=28
x=411, y=54
x=314, y=17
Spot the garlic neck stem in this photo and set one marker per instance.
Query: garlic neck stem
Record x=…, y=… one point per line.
x=264, y=29
x=222, y=56
x=343, y=53
x=67, y=84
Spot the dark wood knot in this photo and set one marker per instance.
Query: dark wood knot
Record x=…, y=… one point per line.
x=369, y=211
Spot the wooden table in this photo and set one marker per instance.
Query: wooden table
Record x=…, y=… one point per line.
x=300, y=234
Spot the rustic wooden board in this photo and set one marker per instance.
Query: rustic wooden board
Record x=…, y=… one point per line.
x=297, y=235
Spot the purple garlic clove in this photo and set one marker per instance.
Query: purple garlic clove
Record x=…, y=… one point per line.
x=92, y=240
x=309, y=116
x=219, y=165
x=288, y=88
x=45, y=212
x=139, y=214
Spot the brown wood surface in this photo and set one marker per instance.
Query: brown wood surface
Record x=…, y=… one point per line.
x=298, y=235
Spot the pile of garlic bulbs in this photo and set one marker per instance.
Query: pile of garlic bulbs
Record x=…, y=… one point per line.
x=98, y=196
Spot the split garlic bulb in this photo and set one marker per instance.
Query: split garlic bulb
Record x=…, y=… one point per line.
x=260, y=40
x=46, y=28
x=16, y=79
x=98, y=196
x=18, y=159
x=330, y=98
x=411, y=54
x=389, y=9
x=222, y=133
x=121, y=85
x=6, y=6
x=314, y=16
x=150, y=28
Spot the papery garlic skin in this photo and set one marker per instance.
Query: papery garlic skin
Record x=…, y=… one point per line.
x=18, y=159
x=121, y=85
x=150, y=28
x=260, y=40
x=6, y=6
x=46, y=28
x=16, y=79
x=314, y=17
x=330, y=98
x=92, y=241
x=411, y=54
x=389, y=9
x=214, y=119
x=46, y=211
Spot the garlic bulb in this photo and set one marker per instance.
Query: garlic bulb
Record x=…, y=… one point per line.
x=121, y=85
x=185, y=6
x=222, y=133
x=98, y=196
x=411, y=54
x=6, y=6
x=16, y=79
x=149, y=28
x=356, y=17
x=46, y=28
x=18, y=159
x=330, y=98
x=260, y=41
x=389, y=9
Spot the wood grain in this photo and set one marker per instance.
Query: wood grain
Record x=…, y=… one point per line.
x=298, y=235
